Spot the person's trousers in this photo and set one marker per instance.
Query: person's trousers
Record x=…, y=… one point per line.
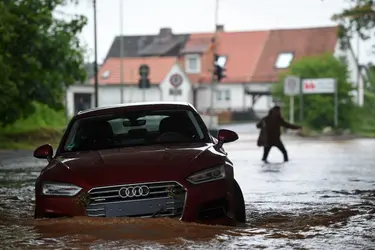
x=280, y=146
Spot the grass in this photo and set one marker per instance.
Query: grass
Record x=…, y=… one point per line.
x=43, y=126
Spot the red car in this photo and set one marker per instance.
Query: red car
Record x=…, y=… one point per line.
x=140, y=160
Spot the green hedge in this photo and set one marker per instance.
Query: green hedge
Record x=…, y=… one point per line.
x=45, y=125
x=43, y=117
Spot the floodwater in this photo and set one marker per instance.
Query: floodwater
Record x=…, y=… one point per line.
x=324, y=198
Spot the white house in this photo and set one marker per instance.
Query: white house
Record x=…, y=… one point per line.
x=253, y=61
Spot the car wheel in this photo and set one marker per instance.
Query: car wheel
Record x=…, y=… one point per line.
x=240, y=211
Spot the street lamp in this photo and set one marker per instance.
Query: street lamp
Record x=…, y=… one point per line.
x=96, y=58
x=213, y=80
x=121, y=54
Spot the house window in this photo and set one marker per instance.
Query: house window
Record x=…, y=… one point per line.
x=192, y=64
x=227, y=95
x=283, y=60
x=218, y=95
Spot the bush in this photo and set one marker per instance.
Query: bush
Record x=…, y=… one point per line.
x=43, y=126
x=43, y=118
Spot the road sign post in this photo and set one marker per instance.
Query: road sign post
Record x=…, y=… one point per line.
x=336, y=118
x=292, y=88
x=291, y=109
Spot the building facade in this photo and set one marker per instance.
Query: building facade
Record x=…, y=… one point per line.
x=181, y=68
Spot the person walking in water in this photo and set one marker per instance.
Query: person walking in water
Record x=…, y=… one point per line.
x=270, y=133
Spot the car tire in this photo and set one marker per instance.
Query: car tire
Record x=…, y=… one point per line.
x=239, y=201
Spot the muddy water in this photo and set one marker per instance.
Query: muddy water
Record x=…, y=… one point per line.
x=324, y=198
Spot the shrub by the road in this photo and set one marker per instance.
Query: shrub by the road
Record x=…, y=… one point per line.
x=45, y=125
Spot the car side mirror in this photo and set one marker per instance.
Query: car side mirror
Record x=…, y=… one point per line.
x=226, y=136
x=44, y=152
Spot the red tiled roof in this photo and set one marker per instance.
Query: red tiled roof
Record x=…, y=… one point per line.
x=198, y=43
x=242, y=49
x=159, y=68
x=300, y=42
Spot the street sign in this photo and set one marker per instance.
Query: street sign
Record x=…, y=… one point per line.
x=176, y=80
x=292, y=85
x=319, y=86
x=144, y=70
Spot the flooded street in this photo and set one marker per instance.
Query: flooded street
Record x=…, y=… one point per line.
x=324, y=198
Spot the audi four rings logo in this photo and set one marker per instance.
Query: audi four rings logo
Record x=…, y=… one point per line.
x=134, y=191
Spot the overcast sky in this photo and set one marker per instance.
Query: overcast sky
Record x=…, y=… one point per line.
x=148, y=16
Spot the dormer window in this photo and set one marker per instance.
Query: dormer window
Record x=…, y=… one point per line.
x=193, y=64
x=284, y=60
x=106, y=74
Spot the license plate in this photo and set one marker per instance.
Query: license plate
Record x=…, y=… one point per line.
x=135, y=208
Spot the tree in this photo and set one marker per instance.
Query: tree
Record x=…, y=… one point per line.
x=319, y=109
x=366, y=114
x=359, y=19
x=40, y=56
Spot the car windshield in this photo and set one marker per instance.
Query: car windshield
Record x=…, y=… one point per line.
x=133, y=128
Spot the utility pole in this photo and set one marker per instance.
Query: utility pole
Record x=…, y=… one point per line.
x=213, y=80
x=121, y=55
x=96, y=59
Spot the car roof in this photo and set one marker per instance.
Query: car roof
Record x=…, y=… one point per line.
x=133, y=106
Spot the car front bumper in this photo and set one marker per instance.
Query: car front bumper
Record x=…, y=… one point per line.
x=210, y=203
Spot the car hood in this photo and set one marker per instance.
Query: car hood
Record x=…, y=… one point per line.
x=132, y=164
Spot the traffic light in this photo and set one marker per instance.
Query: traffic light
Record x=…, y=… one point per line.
x=144, y=81
x=219, y=73
x=219, y=65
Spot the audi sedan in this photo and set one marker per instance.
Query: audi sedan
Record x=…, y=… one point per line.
x=140, y=160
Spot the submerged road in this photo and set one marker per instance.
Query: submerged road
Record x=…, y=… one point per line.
x=324, y=198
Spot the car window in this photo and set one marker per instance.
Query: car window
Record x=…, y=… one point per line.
x=132, y=129
x=152, y=124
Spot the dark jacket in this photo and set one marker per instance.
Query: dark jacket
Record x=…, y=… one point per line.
x=270, y=128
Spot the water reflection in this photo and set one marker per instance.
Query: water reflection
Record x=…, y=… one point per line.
x=323, y=198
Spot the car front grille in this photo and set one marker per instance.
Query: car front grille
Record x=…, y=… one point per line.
x=165, y=199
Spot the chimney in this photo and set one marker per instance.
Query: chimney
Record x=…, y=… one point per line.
x=165, y=32
x=220, y=28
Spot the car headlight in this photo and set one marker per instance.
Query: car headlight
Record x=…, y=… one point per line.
x=207, y=175
x=60, y=189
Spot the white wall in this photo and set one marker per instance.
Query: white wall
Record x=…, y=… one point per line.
x=110, y=95
x=354, y=73
x=238, y=100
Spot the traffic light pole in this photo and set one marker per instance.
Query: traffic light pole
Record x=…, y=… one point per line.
x=96, y=59
x=213, y=80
